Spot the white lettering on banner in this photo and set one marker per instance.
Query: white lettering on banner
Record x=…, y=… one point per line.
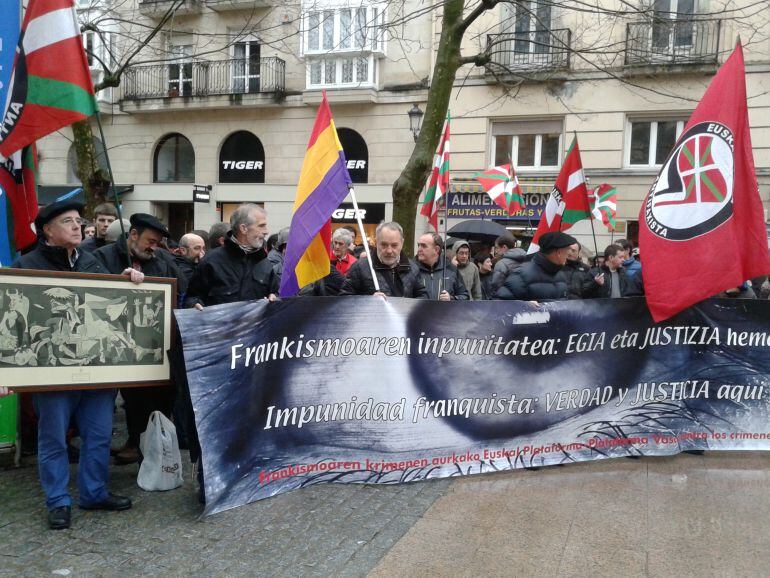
x=243, y=165
x=356, y=164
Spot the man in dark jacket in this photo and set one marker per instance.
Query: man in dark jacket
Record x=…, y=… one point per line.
x=58, y=227
x=442, y=283
x=396, y=275
x=612, y=279
x=239, y=270
x=508, y=258
x=582, y=283
x=104, y=215
x=192, y=248
x=144, y=237
x=542, y=277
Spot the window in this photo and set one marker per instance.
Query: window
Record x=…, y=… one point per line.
x=174, y=160
x=345, y=29
x=246, y=66
x=180, y=72
x=672, y=25
x=340, y=45
x=529, y=21
x=650, y=141
x=528, y=144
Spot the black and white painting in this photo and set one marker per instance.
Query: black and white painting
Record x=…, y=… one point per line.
x=89, y=324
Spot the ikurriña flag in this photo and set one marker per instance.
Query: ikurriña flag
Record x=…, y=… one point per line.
x=438, y=186
x=323, y=184
x=604, y=205
x=502, y=186
x=51, y=84
x=701, y=226
x=568, y=202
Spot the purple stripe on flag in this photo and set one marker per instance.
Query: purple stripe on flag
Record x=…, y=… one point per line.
x=308, y=219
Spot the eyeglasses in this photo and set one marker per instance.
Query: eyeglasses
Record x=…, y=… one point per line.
x=69, y=221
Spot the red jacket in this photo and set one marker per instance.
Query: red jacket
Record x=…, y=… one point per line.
x=344, y=264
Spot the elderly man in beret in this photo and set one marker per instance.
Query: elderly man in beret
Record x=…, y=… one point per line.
x=541, y=278
x=143, y=246
x=58, y=228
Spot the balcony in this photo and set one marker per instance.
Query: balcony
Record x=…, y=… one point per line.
x=181, y=81
x=538, y=51
x=157, y=8
x=672, y=42
x=228, y=5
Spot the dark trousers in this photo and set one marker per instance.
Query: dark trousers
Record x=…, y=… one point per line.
x=140, y=402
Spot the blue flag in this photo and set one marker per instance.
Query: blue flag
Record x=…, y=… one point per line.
x=10, y=24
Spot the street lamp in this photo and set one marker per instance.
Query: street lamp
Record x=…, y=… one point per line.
x=415, y=120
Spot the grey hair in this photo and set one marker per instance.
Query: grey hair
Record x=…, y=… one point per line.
x=343, y=234
x=242, y=215
x=392, y=225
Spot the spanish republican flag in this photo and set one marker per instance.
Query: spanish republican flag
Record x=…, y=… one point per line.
x=323, y=185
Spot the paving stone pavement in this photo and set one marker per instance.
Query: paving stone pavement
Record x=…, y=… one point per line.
x=320, y=531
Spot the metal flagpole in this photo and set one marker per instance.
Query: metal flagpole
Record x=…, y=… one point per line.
x=352, y=192
x=112, y=187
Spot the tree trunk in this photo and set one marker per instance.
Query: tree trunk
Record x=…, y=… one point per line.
x=95, y=183
x=409, y=185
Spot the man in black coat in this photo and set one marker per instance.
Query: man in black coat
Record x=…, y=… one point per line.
x=541, y=278
x=58, y=227
x=441, y=283
x=396, y=275
x=239, y=270
x=143, y=246
x=582, y=283
x=192, y=248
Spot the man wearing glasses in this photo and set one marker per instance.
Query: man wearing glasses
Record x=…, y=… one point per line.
x=58, y=228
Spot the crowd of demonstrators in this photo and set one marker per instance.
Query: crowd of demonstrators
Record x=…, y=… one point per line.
x=234, y=262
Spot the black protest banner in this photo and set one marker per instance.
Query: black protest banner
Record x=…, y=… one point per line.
x=317, y=390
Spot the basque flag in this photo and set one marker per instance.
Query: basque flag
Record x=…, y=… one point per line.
x=701, y=227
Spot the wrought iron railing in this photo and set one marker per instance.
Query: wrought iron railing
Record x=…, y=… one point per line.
x=529, y=51
x=205, y=78
x=669, y=41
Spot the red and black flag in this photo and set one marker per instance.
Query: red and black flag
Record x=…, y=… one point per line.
x=702, y=227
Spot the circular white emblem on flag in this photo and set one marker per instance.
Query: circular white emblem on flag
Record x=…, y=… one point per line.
x=693, y=193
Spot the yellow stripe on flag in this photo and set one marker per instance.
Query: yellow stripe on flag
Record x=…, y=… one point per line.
x=319, y=159
x=308, y=269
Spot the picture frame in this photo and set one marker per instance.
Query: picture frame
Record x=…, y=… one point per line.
x=64, y=330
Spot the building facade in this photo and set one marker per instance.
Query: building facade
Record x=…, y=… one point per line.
x=225, y=95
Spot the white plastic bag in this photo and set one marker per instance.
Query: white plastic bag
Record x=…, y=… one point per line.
x=161, y=467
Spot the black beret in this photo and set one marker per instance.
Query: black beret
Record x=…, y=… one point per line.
x=148, y=222
x=55, y=209
x=555, y=240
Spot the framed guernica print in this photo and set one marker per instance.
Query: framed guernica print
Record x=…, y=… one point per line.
x=61, y=330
